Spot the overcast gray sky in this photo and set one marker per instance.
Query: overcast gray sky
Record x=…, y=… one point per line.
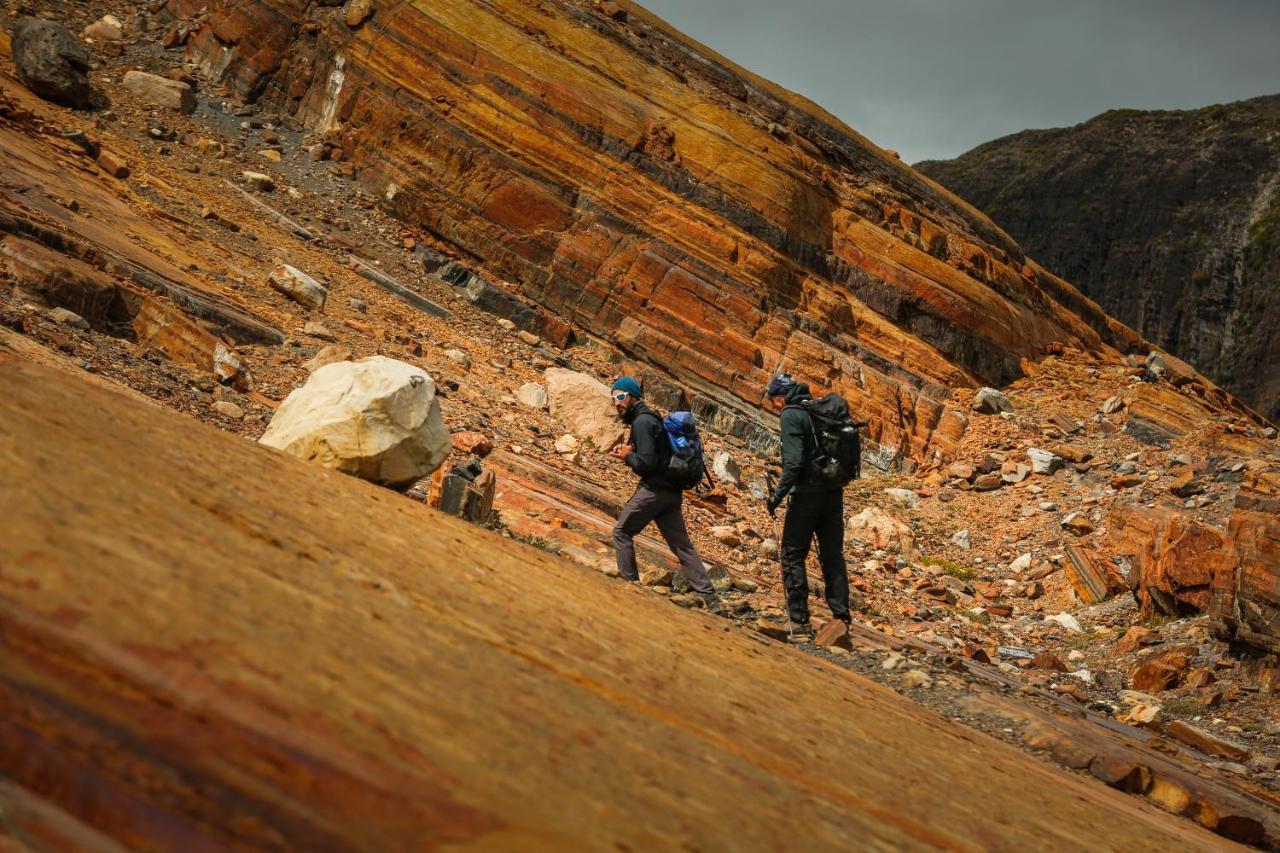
x=934, y=78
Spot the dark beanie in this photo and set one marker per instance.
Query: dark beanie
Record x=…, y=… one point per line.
x=780, y=385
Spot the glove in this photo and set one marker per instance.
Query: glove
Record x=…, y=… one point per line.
x=772, y=504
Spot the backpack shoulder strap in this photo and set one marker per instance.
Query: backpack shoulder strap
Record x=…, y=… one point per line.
x=811, y=435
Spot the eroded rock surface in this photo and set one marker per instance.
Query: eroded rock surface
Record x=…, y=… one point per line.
x=699, y=217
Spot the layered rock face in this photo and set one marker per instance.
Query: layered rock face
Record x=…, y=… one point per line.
x=702, y=220
x=1180, y=565
x=1170, y=220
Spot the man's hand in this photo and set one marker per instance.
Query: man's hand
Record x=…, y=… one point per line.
x=772, y=504
x=622, y=450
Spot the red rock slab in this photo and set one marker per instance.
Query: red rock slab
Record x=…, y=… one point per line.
x=207, y=642
x=65, y=282
x=1175, y=557
x=1206, y=742
x=1246, y=596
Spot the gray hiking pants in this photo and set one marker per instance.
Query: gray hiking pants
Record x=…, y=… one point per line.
x=664, y=509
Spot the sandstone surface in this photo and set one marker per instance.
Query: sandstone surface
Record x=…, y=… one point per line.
x=188, y=255
x=351, y=690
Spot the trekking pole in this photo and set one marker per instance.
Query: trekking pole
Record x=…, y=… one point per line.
x=777, y=538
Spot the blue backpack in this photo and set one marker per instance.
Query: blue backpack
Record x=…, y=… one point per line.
x=687, y=466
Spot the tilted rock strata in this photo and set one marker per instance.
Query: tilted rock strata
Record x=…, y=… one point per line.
x=1170, y=220
x=1180, y=565
x=307, y=661
x=704, y=220
x=1246, y=600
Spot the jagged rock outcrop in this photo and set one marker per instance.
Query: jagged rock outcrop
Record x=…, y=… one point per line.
x=1181, y=565
x=1170, y=220
x=646, y=190
x=1246, y=600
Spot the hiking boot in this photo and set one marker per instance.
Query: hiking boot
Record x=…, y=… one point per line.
x=801, y=632
x=715, y=606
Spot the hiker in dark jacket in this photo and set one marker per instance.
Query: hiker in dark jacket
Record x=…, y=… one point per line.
x=647, y=453
x=814, y=508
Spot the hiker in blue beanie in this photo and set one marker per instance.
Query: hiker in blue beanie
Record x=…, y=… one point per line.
x=656, y=499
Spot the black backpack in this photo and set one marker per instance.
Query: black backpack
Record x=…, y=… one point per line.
x=837, y=459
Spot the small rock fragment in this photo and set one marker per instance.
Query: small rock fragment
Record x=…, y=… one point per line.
x=298, y=286
x=113, y=164
x=260, y=182
x=68, y=318
x=989, y=401
x=458, y=357
x=726, y=535
x=161, y=91
x=318, y=330
x=358, y=11
x=228, y=409
x=1043, y=462
x=533, y=395
x=916, y=678
x=725, y=469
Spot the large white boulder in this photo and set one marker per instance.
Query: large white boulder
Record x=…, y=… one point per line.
x=376, y=418
x=877, y=529
x=581, y=403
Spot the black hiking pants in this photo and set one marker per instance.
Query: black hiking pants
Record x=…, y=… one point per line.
x=666, y=509
x=809, y=513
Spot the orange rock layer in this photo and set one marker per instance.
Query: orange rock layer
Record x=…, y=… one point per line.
x=701, y=219
x=1181, y=566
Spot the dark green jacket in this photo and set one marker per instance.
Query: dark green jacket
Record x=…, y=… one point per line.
x=799, y=447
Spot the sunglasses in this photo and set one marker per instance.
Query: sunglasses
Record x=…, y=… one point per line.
x=620, y=396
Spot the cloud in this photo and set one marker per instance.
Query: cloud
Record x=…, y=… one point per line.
x=934, y=78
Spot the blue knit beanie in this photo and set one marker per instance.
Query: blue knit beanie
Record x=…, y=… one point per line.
x=626, y=383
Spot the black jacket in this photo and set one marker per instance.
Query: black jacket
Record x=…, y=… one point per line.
x=652, y=448
x=799, y=447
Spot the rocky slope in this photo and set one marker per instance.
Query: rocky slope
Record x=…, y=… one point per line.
x=420, y=714
x=654, y=195
x=142, y=250
x=1170, y=220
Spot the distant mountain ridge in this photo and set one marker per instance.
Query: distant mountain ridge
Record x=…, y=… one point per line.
x=1170, y=220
